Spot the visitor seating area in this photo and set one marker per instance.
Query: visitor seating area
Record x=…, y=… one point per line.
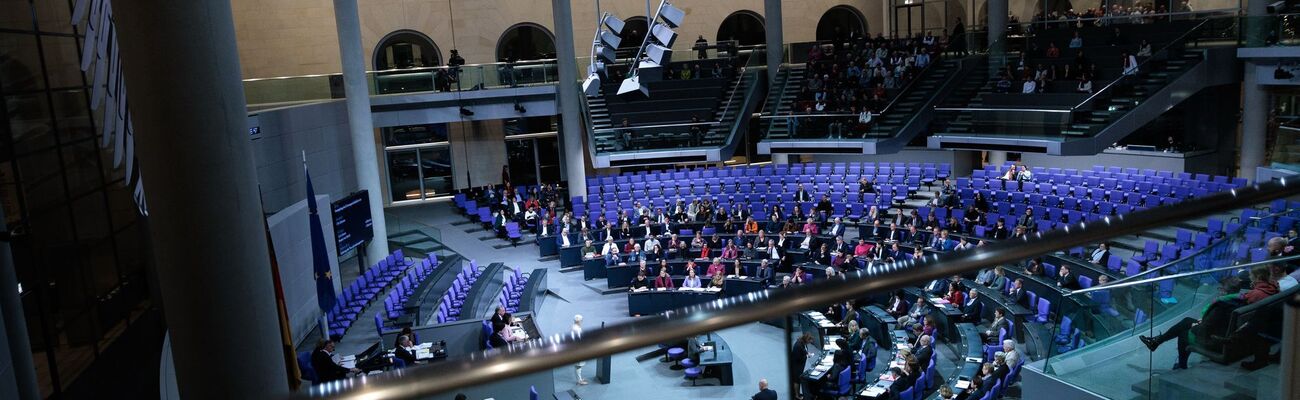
x=675, y=100
x=366, y=288
x=1060, y=104
x=449, y=307
x=760, y=187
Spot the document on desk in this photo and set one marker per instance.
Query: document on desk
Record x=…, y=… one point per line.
x=974, y=359
x=873, y=391
x=961, y=385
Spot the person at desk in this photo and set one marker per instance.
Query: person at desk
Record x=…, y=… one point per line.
x=901, y=382
x=972, y=308
x=731, y=252
x=563, y=239
x=837, y=229
x=822, y=255
x=1000, y=280
x=322, y=360
x=1017, y=292
x=1000, y=231
x=775, y=225
x=774, y=251
x=639, y=283
x=763, y=392
x=924, y=350
x=715, y=268
x=500, y=315
x=1035, y=267
x=955, y=295
x=610, y=252
x=498, y=337
x=404, y=350
x=897, y=307
x=914, y=316
x=692, y=280
x=850, y=317
x=999, y=322
x=588, y=250
x=716, y=282
x=738, y=270
x=636, y=255
x=664, y=281
x=764, y=273
x=928, y=327
x=1067, y=280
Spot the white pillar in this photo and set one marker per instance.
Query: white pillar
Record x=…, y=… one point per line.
x=997, y=26
x=1254, y=101
x=365, y=156
x=207, y=233
x=574, y=159
x=997, y=157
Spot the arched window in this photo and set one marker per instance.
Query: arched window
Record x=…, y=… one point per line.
x=841, y=22
x=526, y=41
x=406, y=49
x=744, y=26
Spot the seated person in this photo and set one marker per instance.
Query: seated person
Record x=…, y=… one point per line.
x=664, y=281
x=1261, y=287
x=1065, y=279
x=715, y=268
x=738, y=270
x=764, y=273
x=999, y=322
x=498, y=337
x=692, y=280
x=914, y=316
x=716, y=282
x=972, y=308
x=640, y=283
x=322, y=360
x=405, y=350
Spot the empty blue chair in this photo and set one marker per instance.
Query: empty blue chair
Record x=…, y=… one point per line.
x=907, y=394
x=1043, y=307
x=532, y=392
x=304, y=366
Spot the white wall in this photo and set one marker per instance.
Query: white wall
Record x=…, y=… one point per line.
x=291, y=238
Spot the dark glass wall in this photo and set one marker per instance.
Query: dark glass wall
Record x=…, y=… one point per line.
x=79, y=257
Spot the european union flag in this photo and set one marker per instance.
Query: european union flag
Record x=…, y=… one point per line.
x=319, y=256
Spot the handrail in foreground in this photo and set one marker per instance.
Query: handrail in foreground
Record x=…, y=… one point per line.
x=1180, y=275
x=559, y=350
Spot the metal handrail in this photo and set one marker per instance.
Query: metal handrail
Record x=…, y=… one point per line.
x=516, y=64
x=680, y=124
x=1043, y=110
x=1109, y=286
x=1163, y=50
x=560, y=350
x=1196, y=253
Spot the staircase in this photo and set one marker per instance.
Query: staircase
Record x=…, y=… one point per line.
x=780, y=100
x=962, y=96
x=728, y=112
x=904, y=118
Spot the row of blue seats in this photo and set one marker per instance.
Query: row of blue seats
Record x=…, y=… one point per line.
x=839, y=168
x=512, y=291
x=394, y=304
x=926, y=176
x=451, y=302
x=363, y=290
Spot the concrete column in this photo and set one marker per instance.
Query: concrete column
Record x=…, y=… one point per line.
x=206, y=226
x=1290, y=350
x=997, y=157
x=365, y=155
x=15, y=339
x=1254, y=121
x=997, y=27
x=574, y=159
x=782, y=158
x=775, y=42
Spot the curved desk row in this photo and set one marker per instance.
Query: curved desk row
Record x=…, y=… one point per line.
x=656, y=301
x=1105, y=325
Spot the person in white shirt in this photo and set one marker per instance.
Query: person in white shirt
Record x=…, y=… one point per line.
x=610, y=251
x=576, y=331
x=1030, y=86
x=864, y=117
x=1085, y=85
x=564, y=238
x=1130, y=64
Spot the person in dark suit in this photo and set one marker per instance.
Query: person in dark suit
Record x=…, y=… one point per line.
x=500, y=316
x=764, y=273
x=405, y=350
x=1017, y=294
x=496, y=339
x=1066, y=279
x=801, y=195
x=924, y=350
x=1101, y=255
x=763, y=392
x=322, y=360
x=901, y=382
x=971, y=310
